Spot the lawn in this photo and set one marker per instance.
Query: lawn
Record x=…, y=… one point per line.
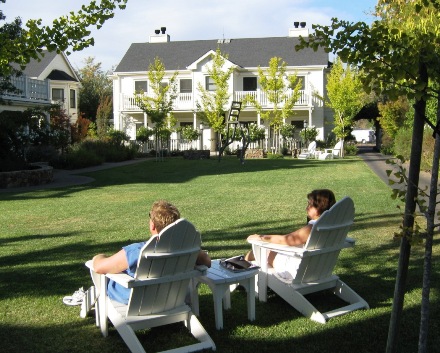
x=46, y=236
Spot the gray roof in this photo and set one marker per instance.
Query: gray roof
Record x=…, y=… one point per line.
x=245, y=52
x=35, y=67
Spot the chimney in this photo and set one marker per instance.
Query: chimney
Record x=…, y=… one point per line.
x=160, y=36
x=299, y=30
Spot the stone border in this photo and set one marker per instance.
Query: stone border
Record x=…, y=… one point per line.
x=43, y=174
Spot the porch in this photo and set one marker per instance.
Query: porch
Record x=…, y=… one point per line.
x=187, y=101
x=30, y=90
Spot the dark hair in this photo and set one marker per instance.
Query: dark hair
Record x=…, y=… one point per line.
x=321, y=199
x=163, y=213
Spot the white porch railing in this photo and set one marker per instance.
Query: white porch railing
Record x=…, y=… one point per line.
x=261, y=97
x=30, y=89
x=185, y=145
x=186, y=101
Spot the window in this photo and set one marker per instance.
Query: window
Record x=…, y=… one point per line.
x=185, y=85
x=58, y=95
x=303, y=82
x=210, y=84
x=141, y=86
x=249, y=83
x=72, y=98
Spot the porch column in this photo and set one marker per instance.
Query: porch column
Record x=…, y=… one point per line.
x=258, y=119
x=194, y=120
x=310, y=117
x=145, y=120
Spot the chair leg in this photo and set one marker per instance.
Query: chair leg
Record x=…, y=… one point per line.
x=199, y=332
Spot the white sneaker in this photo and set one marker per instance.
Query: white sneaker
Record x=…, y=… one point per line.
x=76, y=298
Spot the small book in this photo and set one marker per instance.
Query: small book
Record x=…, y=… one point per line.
x=237, y=264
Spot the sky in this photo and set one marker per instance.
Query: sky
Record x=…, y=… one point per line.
x=189, y=20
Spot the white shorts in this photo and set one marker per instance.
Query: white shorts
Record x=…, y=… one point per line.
x=286, y=266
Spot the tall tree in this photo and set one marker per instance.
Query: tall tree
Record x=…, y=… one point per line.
x=95, y=89
x=212, y=107
x=282, y=91
x=158, y=102
x=345, y=96
x=398, y=54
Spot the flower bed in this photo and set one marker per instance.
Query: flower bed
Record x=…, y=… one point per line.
x=42, y=174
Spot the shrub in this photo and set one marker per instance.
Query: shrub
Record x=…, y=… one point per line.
x=387, y=146
x=402, y=143
x=77, y=157
x=41, y=153
x=350, y=149
x=271, y=155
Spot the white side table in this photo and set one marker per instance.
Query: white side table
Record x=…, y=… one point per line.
x=221, y=281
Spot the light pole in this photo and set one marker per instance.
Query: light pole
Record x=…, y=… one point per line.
x=201, y=127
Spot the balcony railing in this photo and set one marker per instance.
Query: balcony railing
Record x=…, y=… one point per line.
x=30, y=89
x=186, y=101
x=261, y=97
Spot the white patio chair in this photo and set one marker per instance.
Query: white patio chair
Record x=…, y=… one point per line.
x=165, y=268
x=309, y=152
x=317, y=259
x=330, y=153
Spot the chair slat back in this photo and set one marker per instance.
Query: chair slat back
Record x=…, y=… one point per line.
x=166, y=256
x=329, y=231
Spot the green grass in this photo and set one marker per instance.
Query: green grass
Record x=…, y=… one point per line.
x=46, y=236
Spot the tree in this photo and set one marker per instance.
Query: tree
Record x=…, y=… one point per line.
x=393, y=115
x=96, y=90
x=282, y=92
x=103, y=115
x=397, y=54
x=158, y=104
x=345, y=97
x=212, y=106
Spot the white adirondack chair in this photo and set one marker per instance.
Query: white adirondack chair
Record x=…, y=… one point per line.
x=317, y=259
x=158, y=290
x=330, y=153
x=309, y=152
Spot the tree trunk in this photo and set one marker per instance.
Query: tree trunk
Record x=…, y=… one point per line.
x=408, y=220
x=427, y=264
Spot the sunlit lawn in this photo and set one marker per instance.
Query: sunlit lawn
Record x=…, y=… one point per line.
x=47, y=235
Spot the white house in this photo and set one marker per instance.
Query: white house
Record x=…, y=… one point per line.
x=191, y=59
x=49, y=81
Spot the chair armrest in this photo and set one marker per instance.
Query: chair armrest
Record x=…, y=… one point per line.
x=278, y=247
x=300, y=251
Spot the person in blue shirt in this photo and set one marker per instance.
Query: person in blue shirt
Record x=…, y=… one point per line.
x=162, y=213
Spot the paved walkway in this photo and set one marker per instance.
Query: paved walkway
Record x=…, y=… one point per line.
x=66, y=178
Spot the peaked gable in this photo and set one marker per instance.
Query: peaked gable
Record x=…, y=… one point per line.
x=51, y=64
x=206, y=57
